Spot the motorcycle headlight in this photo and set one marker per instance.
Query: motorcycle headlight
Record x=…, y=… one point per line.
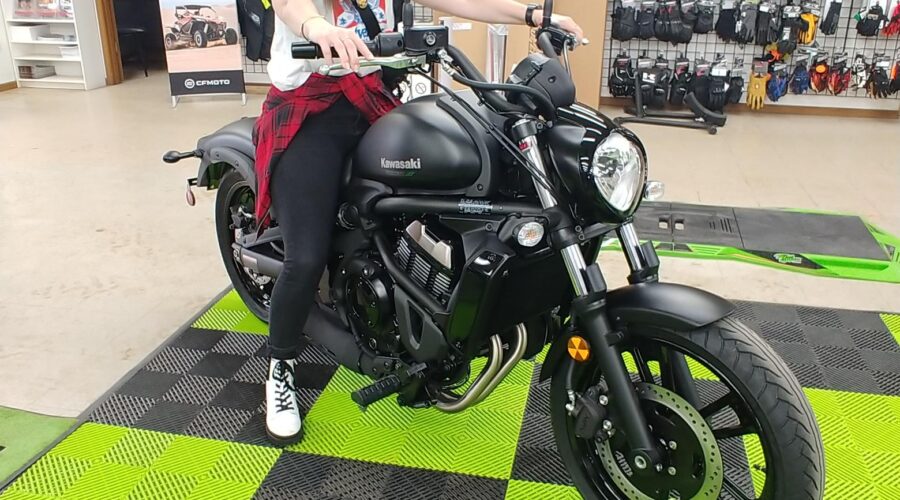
x=618, y=169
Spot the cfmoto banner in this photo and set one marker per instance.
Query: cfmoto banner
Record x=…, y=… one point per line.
x=203, y=49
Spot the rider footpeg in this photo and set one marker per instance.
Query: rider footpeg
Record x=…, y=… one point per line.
x=377, y=391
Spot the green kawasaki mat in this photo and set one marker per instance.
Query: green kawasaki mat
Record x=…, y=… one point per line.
x=818, y=243
x=189, y=424
x=24, y=435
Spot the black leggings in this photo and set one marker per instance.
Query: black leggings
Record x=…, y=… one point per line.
x=305, y=186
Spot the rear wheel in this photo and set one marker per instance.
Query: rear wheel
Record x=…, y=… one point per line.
x=750, y=433
x=231, y=36
x=171, y=41
x=235, y=206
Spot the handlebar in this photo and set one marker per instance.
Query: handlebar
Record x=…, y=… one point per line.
x=384, y=45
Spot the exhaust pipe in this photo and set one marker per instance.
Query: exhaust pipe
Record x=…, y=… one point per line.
x=490, y=377
x=257, y=262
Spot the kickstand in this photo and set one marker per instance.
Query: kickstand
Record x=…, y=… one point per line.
x=698, y=118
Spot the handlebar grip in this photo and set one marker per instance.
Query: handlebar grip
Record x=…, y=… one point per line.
x=384, y=45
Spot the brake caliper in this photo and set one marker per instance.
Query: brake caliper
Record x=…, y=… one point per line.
x=590, y=412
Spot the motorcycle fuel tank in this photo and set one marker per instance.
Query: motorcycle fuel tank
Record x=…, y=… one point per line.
x=420, y=146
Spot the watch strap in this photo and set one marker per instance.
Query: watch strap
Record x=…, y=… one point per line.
x=529, y=15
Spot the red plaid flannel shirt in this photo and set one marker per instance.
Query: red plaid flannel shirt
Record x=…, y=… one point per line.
x=283, y=114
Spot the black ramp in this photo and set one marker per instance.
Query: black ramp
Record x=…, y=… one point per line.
x=705, y=224
x=804, y=233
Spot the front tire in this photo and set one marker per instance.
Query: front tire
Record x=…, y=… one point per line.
x=235, y=195
x=764, y=393
x=200, y=38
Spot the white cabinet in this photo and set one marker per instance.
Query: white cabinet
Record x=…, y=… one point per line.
x=55, y=43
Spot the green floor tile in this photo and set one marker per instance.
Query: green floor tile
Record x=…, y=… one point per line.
x=217, y=489
x=52, y=475
x=244, y=463
x=230, y=314
x=90, y=442
x=139, y=448
x=190, y=456
x=527, y=490
x=158, y=485
x=893, y=323
x=109, y=481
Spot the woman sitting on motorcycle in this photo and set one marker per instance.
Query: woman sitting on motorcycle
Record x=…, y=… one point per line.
x=309, y=125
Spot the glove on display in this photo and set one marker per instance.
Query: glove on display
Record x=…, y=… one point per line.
x=670, y=26
x=689, y=12
x=725, y=26
x=893, y=26
x=778, y=84
x=717, y=93
x=706, y=15
x=791, y=26
x=681, y=81
x=735, y=89
x=624, y=26
x=767, y=24
x=800, y=79
x=870, y=23
x=746, y=24
x=662, y=77
x=895, y=78
x=860, y=72
x=838, y=80
x=645, y=19
x=879, y=84
x=830, y=24
x=756, y=91
x=818, y=77
x=808, y=35
x=621, y=78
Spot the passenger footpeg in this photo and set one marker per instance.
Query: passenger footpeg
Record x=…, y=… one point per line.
x=377, y=391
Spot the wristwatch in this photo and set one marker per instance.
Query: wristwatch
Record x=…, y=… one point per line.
x=529, y=15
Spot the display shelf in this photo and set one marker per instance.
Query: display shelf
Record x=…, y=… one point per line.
x=55, y=79
x=39, y=57
x=47, y=42
x=82, y=70
x=38, y=20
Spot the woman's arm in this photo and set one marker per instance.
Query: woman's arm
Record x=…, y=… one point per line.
x=500, y=12
x=302, y=17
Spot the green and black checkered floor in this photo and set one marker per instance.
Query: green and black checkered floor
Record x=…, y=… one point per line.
x=189, y=423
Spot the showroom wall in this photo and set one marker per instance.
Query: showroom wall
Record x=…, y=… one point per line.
x=6, y=63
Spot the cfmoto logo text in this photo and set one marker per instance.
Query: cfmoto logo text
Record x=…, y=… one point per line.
x=190, y=83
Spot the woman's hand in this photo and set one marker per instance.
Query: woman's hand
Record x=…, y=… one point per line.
x=345, y=42
x=562, y=22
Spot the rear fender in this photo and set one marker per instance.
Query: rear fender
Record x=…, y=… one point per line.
x=218, y=160
x=661, y=305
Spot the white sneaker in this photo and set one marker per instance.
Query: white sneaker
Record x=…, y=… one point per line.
x=283, y=424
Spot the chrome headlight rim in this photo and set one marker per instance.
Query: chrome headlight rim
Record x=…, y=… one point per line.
x=629, y=144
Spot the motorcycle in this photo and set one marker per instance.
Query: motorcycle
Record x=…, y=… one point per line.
x=470, y=227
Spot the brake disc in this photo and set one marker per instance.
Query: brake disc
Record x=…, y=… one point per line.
x=694, y=461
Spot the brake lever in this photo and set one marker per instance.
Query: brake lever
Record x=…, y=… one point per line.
x=393, y=62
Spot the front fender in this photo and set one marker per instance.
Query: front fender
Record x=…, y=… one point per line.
x=663, y=305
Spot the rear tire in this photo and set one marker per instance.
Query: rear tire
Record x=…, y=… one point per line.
x=788, y=431
x=231, y=188
x=231, y=36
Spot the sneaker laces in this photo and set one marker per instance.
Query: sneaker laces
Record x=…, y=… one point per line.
x=284, y=390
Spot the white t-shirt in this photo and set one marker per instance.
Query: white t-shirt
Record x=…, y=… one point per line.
x=287, y=73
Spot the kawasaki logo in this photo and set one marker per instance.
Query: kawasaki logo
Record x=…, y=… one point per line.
x=191, y=83
x=410, y=164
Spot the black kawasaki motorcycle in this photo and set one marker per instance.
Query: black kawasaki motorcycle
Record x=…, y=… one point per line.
x=470, y=226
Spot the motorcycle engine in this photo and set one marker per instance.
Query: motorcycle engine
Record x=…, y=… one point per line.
x=368, y=296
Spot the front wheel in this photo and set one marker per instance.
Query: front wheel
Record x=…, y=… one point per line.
x=749, y=434
x=235, y=206
x=200, y=38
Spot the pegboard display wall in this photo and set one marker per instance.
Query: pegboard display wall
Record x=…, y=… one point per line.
x=846, y=39
x=255, y=71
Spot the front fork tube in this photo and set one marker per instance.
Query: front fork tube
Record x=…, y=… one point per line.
x=644, y=265
x=589, y=308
